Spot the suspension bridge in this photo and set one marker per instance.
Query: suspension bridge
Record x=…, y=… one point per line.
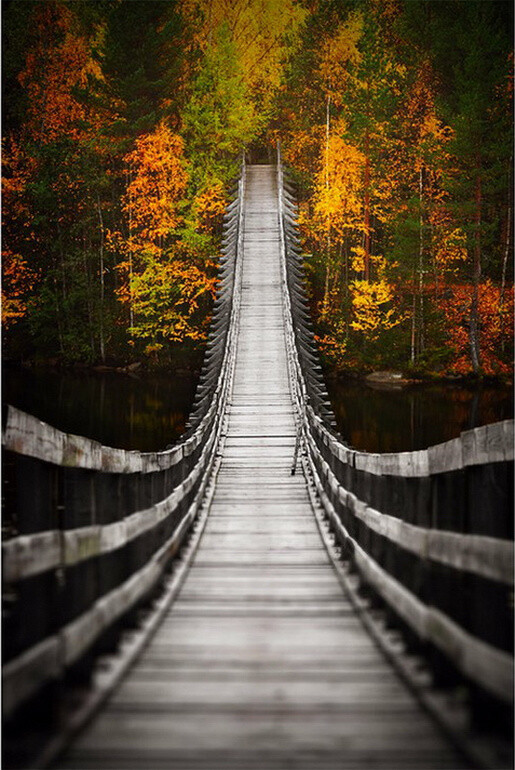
x=260, y=595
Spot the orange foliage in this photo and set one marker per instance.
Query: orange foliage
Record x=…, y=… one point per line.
x=157, y=182
x=496, y=326
x=159, y=280
x=17, y=278
x=17, y=171
x=209, y=207
x=425, y=133
x=17, y=282
x=333, y=347
x=55, y=68
x=301, y=148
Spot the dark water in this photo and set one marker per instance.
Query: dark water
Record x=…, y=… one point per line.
x=126, y=411
x=149, y=412
x=376, y=419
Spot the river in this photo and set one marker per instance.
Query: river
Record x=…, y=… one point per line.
x=376, y=418
x=148, y=412
x=145, y=412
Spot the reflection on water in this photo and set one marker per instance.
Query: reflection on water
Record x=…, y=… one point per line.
x=130, y=412
x=150, y=411
x=375, y=419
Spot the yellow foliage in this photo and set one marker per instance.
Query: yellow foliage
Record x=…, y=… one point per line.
x=451, y=249
x=55, y=68
x=357, y=260
x=340, y=51
x=370, y=300
x=18, y=280
x=337, y=198
x=449, y=242
x=166, y=297
x=302, y=148
x=259, y=29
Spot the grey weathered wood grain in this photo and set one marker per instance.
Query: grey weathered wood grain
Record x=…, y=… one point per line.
x=491, y=667
x=28, y=555
x=488, y=557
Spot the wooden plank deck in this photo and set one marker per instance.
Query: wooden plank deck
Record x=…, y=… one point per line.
x=261, y=661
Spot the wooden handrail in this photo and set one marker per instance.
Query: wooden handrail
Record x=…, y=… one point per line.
x=397, y=509
x=99, y=564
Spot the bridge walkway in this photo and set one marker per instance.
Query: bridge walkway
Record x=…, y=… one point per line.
x=261, y=661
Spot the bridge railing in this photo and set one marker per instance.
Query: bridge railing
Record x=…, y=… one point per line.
x=89, y=530
x=429, y=532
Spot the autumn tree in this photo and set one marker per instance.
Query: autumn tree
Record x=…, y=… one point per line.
x=426, y=238
x=455, y=306
x=352, y=192
x=263, y=34
x=53, y=142
x=220, y=118
x=470, y=51
x=88, y=78
x=126, y=120
x=164, y=283
x=386, y=147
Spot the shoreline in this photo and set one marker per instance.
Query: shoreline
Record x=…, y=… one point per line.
x=384, y=377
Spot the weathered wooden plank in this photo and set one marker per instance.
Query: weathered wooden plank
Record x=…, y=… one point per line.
x=258, y=693
x=27, y=435
x=488, y=557
x=33, y=554
x=254, y=526
x=24, y=675
x=267, y=608
x=486, y=444
x=258, y=504
x=30, y=555
x=490, y=667
x=367, y=740
x=264, y=759
x=262, y=541
x=304, y=557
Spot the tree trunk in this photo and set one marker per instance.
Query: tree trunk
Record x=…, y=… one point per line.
x=328, y=239
x=476, y=277
x=327, y=130
x=421, y=262
x=62, y=319
x=131, y=312
x=506, y=252
x=58, y=318
x=88, y=292
x=102, y=284
x=346, y=290
x=366, y=259
x=413, y=352
x=366, y=202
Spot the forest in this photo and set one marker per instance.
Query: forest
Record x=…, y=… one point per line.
x=124, y=126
